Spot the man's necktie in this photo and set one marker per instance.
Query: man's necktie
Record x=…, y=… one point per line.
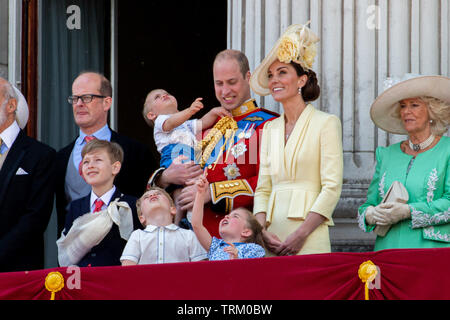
x=86, y=139
x=98, y=205
x=89, y=138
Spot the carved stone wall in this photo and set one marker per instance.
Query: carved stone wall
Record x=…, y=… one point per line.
x=362, y=43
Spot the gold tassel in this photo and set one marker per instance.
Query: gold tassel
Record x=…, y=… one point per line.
x=367, y=273
x=54, y=282
x=225, y=127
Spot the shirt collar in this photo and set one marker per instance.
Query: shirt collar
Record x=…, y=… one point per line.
x=151, y=228
x=106, y=197
x=102, y=134
x=224, y=243
x=10, y=134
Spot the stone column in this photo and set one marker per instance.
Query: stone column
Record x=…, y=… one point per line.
x=362, y=43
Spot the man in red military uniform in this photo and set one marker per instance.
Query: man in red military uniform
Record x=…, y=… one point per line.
x=232, y=167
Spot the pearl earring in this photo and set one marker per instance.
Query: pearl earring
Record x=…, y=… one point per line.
x=300, y=91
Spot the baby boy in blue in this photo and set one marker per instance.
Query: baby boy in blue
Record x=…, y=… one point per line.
x=174, y=132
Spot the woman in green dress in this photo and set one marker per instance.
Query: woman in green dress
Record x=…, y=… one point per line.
x=420, y=108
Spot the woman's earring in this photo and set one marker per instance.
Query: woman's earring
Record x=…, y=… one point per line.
x=431, y=121
x=300, y=91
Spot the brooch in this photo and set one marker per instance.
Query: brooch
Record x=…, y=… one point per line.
x=231, y=171
x=238, y=150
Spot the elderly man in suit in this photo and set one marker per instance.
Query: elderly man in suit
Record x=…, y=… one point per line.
x=26, y=187
x=91, y=100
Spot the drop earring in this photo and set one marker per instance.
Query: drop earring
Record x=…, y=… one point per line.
x=300, y=91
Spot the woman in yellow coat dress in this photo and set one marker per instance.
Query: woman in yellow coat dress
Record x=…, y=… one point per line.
x=301, y=161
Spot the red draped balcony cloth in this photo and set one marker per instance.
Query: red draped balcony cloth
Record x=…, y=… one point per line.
x=403, y=274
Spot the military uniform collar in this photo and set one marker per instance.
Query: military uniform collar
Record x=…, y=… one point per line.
x=247, y=107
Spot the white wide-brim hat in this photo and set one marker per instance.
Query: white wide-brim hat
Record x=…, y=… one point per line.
x=297, y=44
x=22, y=111
x=383, y=110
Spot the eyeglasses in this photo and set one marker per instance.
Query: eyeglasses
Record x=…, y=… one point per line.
x=86, y=98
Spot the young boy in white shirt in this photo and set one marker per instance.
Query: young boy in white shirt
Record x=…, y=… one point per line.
x=161, y=241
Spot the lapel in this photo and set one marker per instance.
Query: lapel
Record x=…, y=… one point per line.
x=67, y=151
x=85, y=206
x=296, y=142
x=117, y=194
x=114, y=136
x=12, y=162
x=62, y=162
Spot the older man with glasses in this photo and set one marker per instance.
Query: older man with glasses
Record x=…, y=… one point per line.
x=91, y=100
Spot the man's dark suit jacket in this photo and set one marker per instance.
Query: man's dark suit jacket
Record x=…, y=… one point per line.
x=139, y=163
x=26, y=203
x=109, y=250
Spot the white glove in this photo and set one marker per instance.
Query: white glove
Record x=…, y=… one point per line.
x=373, y=217
x=392, y=212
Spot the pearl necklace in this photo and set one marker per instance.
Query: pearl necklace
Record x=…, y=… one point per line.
x=422, y=145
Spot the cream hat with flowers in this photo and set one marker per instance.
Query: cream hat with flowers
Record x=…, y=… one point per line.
x=297, y=44
x=383, y=110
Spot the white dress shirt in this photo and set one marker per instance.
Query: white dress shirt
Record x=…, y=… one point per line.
x=106, y=198
x=163, y=245
x=9, y=135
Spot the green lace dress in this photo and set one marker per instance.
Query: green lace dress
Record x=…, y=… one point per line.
x=427, y=179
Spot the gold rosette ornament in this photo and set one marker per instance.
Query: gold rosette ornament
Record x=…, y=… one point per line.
x=367, y=273
x=54, y=282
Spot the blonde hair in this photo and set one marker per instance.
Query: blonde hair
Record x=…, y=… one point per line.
x=254, y=226
x=163, y=192
x=113, y=149
x=438, y=111
x=147, y=108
